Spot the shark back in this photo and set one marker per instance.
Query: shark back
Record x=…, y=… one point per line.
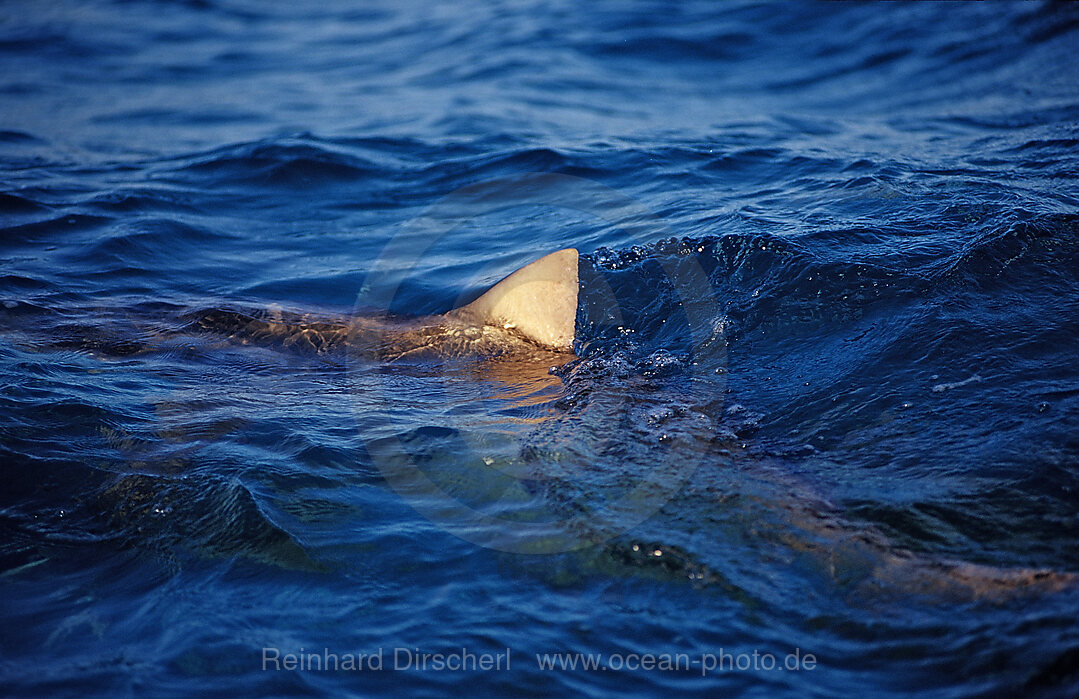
x=537, y=304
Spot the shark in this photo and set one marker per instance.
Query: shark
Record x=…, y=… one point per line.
x=527, y=322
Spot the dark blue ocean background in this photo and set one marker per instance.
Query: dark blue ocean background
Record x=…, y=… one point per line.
x=827, y=388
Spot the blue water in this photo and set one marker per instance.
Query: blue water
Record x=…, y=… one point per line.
x=825, y=395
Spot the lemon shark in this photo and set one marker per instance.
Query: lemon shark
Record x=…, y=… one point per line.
x=533, y=309
x=529, y=318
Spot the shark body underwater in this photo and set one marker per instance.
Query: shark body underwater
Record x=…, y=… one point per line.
x=533, y=310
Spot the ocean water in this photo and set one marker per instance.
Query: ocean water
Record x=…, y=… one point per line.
x=825, y=393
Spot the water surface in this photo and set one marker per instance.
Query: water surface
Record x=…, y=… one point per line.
x=825, y=393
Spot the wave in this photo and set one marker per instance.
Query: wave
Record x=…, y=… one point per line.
x=278, y=164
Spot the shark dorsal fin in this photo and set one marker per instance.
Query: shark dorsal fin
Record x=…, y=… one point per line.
x=539, y=301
